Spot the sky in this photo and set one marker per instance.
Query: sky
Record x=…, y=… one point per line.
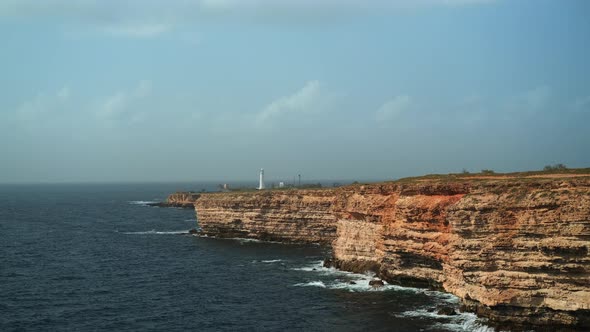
x=214, y=90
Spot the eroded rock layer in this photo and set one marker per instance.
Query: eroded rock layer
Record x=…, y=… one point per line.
x=288, y=216
x=183, y=199
x=515, y=249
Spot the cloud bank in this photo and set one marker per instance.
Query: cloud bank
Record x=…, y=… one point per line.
x=150, y=18
x=307, y=99
x=393, y=108
x=124, y=102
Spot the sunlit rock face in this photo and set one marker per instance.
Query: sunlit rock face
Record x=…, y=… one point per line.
x=302, y=216
x=181, y=199
x=515, y=250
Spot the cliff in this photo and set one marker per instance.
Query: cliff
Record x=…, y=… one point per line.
x=179, y=199
x=287, y=216
x=515, y=249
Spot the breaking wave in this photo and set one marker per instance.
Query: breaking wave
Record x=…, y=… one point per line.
x=157, y=232
x=353, y=282
x=144, y=203
x=311, y=284
x=462, y=322
x=358, y=282
x=272, y=261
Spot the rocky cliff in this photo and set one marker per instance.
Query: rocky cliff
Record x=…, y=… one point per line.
x=515, y=249
x=183, y=199
x=288, y=216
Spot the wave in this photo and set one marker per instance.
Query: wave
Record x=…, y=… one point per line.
x=272, y=261
x=158, y=232
x=144, y=203
x=242, y=240
x=343, y=280
x=311, y=284
x=463, y=321
x=359, y=282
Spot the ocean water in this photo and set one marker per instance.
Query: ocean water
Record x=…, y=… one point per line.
x=95, y=257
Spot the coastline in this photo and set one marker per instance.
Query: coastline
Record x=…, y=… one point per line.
x=513, y=248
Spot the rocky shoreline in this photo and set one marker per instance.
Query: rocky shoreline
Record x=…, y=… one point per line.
x=178, y=199
x=514, y=249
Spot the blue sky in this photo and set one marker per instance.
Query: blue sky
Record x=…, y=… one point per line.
x=106, y=91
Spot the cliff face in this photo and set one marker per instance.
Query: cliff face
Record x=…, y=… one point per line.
x=288, y=216
x=516, y=250
x=179, y=199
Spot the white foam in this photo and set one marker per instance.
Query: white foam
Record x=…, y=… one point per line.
x=158, y=232
x=311, y=284
x=142, y=202
x=362, y=282
x=462, y=322
x=353, y=282
x=272, y=261
x=243, y=240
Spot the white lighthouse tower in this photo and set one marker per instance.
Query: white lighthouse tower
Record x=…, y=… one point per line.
x=261, y=184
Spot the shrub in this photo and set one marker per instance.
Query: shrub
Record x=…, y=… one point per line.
x=487, y=171
x=556, y=167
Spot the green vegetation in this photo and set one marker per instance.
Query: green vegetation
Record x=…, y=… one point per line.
x=485, y=175
x=489, y=174
x=556, y=167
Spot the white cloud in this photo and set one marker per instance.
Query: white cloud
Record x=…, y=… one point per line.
x=146, y=19
x=141, y=30
x=307, y=99
x=143, y=89
x=44, y=103
x=124, y=101
x=261, y=5
x=64, y=93
x=393, y=108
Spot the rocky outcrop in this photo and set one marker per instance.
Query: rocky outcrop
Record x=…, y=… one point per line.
x=302, y=216
x=515, y=250
x=182, y=199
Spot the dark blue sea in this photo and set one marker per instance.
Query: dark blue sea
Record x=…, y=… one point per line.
x=95, y=257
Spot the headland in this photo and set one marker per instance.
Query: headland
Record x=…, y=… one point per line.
x=514, y=247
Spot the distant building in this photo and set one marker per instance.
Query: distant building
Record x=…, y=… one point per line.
x=281, y=184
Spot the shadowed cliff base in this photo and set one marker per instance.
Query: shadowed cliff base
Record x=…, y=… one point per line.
x=513, y=246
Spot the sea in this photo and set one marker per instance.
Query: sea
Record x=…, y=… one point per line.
x=96, y=257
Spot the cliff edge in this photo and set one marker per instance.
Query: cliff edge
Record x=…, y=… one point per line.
x=181, y=199
x=514, y=248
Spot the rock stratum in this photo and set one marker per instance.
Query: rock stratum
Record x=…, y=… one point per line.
x=514, y=249
x=181, y=199
x=302, y=216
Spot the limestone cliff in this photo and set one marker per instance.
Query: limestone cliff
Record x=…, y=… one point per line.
x=514, y=248
x=288, y=216
x=183, y=199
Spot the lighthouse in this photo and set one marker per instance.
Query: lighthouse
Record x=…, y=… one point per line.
x=261, y=184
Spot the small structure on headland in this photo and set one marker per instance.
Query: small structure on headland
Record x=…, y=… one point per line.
x=261, y=183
